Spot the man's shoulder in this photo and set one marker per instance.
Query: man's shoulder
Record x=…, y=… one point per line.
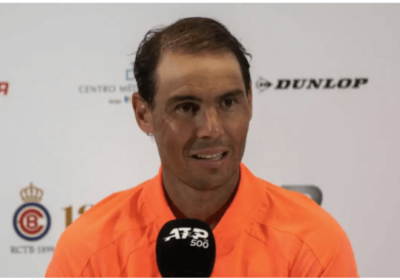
x=103, y=226
x=294, y=218
x=293, y=210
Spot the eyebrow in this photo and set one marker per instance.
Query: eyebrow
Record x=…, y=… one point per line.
x=180, y=98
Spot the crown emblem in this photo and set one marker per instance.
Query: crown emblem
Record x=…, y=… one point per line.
x=31, y=194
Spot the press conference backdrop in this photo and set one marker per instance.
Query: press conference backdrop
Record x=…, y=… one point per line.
x=325, y=115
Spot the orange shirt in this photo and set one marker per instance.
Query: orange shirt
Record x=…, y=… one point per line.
x=267, y=231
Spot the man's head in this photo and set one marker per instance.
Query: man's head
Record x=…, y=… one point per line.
x=194, y=93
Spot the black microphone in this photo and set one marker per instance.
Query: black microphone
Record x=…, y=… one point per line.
x=185, y=248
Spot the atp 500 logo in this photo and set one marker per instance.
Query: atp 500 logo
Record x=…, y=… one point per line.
x=195, y=234
x=31, y=221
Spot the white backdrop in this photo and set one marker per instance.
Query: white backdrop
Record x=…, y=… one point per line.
x=66, y=124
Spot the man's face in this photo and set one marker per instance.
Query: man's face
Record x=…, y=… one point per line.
x=201, y=103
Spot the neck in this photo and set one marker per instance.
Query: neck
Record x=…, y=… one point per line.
x=206, y=205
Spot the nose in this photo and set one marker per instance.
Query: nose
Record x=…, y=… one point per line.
x=209, y=124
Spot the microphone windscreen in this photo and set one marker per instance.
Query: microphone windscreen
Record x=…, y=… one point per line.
x=185, y=248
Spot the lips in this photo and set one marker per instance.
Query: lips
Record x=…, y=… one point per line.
x=210, y=152
x=211, y=157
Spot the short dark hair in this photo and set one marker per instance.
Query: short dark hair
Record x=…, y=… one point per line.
x=186, y=36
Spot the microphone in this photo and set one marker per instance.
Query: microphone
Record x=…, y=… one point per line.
x=185, y=248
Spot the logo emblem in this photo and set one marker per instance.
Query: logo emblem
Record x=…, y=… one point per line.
x=31, y=220
x=310, y=84
x=128, y=99
x=3, y=88
x=129, y=75
x=196, y=233
x=262, y=84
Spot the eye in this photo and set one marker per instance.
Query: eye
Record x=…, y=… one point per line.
x=229, y=102
x=186, y=107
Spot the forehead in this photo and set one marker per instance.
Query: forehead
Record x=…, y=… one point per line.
x=199, y=74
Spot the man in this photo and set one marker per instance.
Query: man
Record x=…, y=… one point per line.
x=195, y=98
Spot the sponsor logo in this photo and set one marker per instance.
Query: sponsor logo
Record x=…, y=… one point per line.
x=111, y=91
x=97, y=88
x=262, y=84
x=69, y=213
x=31, y=249
x=311, y=84
x=129, y=75
x=312, y=192
x=3, y=88
x=128, y=99
x=26, y=221
x=31, y=220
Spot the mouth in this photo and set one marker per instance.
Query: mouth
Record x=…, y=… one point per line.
x=215, y=157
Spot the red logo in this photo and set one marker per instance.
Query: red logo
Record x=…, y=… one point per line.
x=3, y=88
x=32, y=221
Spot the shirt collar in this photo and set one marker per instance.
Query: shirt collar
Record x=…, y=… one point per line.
x=245, y=201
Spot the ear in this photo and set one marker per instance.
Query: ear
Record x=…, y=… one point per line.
x=250, y=100
x=143, y=114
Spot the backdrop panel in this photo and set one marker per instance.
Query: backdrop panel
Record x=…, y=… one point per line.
x=325, y=115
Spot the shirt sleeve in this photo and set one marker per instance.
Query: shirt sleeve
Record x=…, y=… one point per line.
x=69, y=258
x=330, y=255
x=59, y=267
x=343, y=263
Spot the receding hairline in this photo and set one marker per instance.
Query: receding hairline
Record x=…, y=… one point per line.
x=182, y=51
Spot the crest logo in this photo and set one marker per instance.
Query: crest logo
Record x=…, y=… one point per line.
x=31, y=220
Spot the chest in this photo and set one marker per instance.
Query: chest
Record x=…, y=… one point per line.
x=243, y=258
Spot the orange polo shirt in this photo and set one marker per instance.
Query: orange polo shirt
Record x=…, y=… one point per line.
x=267, y=231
